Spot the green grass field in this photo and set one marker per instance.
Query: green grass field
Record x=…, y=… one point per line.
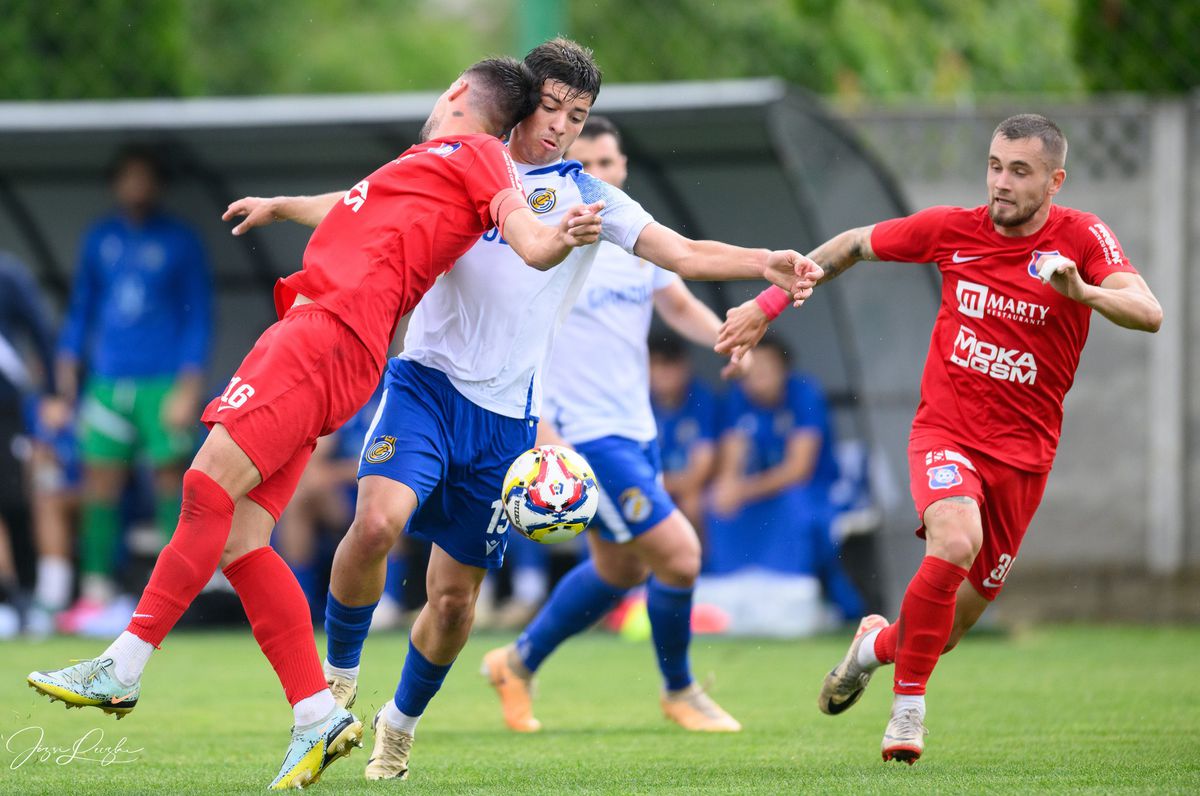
x=1071, y=709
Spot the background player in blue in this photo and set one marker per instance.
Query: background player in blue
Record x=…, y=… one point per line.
x=770, y=499
x=686, y=410
x=139, y=323
x=463, y=399
x=24, y=327
x=597, y=400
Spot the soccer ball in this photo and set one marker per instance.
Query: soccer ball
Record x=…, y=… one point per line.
x=550, y=494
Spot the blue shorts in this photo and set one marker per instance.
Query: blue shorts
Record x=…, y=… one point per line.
x=632, y=498
x=453, y=454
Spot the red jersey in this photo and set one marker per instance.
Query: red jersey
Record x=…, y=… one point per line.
x=380, y=249
x=1005, y=347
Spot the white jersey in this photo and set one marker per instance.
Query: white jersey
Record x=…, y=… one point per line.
x=598, y=381
x=489, y=322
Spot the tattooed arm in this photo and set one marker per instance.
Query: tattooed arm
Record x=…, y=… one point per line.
x=746, y=323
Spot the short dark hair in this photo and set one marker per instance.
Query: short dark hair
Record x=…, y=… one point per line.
x=597, y=126
x=503, y=92
x=1032, y=125
x=146, y=154
x=569, y=63
x=668, y=346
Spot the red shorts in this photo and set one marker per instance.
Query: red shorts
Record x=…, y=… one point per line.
x=1008, y=498
x=305, y=377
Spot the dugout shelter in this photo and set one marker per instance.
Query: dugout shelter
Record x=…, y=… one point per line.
x=753, y=162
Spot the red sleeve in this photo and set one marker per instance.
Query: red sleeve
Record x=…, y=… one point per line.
x=1101, y=253
x=912, y=239
x=491, y=173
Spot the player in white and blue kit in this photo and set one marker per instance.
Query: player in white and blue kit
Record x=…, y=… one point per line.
x=464, y=399
x=598, y=401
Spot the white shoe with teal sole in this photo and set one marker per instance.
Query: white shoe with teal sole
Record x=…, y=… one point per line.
x=88, y=684
x=315, y=747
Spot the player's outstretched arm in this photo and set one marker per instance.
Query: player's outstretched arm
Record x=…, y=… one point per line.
x=746, y=323
x=711, y=260
x=1123, y=298
x=544, y=247
x=259, y=211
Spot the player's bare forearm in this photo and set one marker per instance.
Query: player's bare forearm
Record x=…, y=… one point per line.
x=799, y=462
x=687, y=315
x=1126, y=300
x=697, y=472
x=705, y=260
x=66, y=375
x=543, y=247
x=260, y=211
x=840, y=252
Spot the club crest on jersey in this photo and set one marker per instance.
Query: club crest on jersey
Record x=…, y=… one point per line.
x=381, y=449
x=542, y=200
x=635, y=506
x=944, y=476
x=1032, y=269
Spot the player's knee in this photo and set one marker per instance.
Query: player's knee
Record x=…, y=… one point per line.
x=681, y=568
x=953, y=530
x=958, y=547
x=453, y=610
x=374, y=532
x=234, y=549
x=623, y=574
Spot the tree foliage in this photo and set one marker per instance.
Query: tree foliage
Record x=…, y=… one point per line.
x=949, y=50
x=100, y=48
x=1148, y=45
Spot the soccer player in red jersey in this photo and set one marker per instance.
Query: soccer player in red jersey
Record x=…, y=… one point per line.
x=1020, y=278
x=368, y=263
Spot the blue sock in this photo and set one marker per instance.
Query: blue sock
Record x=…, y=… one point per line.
x=578, y=600
x=419, y=681
x=346, y=627
x=670, y=611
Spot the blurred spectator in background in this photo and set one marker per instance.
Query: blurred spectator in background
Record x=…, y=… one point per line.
x=139, y=323
x=686, y=412
x=24, y=324
x=56, y=478
x=770, y=501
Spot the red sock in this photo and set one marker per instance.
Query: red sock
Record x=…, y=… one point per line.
x=885, y=643
x=188, y=561
x=278, y=614
x=926, y=619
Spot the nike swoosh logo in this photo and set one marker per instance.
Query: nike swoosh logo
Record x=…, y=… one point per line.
x=143, y=616
x=991, y=584
x=908, y=685
x=223, y=408
x=960, y=259
x=119, y=699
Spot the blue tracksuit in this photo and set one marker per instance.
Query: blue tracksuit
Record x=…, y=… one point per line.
x=141, y=304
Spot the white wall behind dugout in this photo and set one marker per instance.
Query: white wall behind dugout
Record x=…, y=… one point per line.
x=750, y=162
